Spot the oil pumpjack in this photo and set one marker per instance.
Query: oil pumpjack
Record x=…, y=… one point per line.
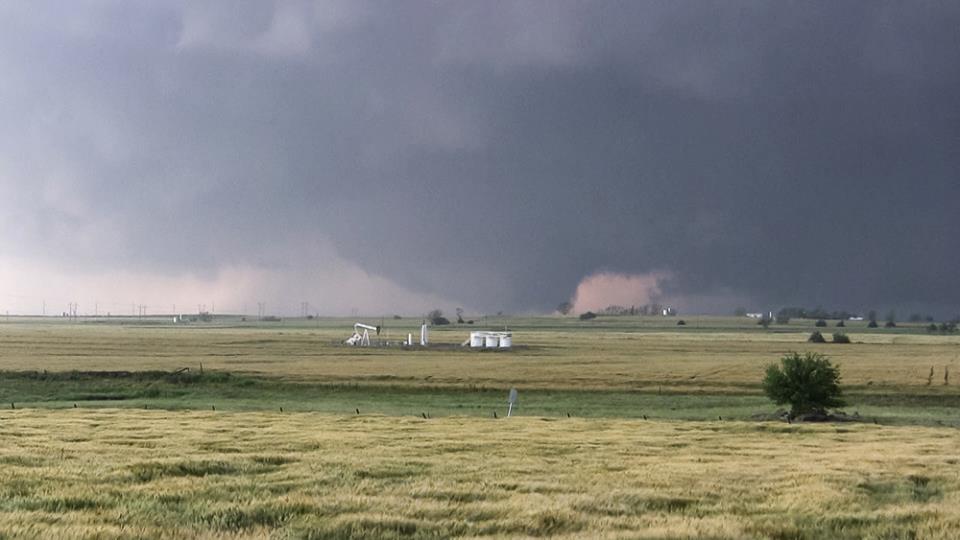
x=361, y=339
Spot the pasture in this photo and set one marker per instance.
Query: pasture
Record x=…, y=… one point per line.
x=627, y=427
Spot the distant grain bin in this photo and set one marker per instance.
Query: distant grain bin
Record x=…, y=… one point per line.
x=491, y=340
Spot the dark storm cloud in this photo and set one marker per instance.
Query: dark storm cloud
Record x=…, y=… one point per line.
x=495, y=152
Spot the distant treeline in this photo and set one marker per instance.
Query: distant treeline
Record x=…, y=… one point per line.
x=819, y=313
x=815, y=313
x=646, y=309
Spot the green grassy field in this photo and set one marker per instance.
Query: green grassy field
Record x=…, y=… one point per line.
x=612, y=367
x=627, y=428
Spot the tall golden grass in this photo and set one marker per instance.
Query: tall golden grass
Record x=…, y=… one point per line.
x=155, y=474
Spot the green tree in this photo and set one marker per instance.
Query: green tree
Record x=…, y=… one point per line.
x=809, y=383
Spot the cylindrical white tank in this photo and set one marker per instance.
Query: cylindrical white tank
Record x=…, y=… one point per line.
x=491, y=341
x=506, y=341
x=424, y=336
x=476, y=339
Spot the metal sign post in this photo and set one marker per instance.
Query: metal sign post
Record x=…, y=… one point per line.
x=511, y=401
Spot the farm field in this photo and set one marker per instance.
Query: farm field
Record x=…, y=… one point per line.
x=113, y=473
x=626, y=428
x=615, y=367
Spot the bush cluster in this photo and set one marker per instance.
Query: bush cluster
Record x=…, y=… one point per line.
x=840, y=337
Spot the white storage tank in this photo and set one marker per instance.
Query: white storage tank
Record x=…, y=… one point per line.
x=477, y=339
x=491, y=341
x=424, y=336
x=506, y=340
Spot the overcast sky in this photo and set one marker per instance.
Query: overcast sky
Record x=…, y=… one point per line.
x=396, y=156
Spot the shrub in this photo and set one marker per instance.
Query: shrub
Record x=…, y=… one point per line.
x=820, y=323
x=890, y=324
x=816, y=337
x=587, y=316
x=943, y=328
x=809, y=383
x=681, y=322
x=840, y=337
x=872, y=324
x=841, y=324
